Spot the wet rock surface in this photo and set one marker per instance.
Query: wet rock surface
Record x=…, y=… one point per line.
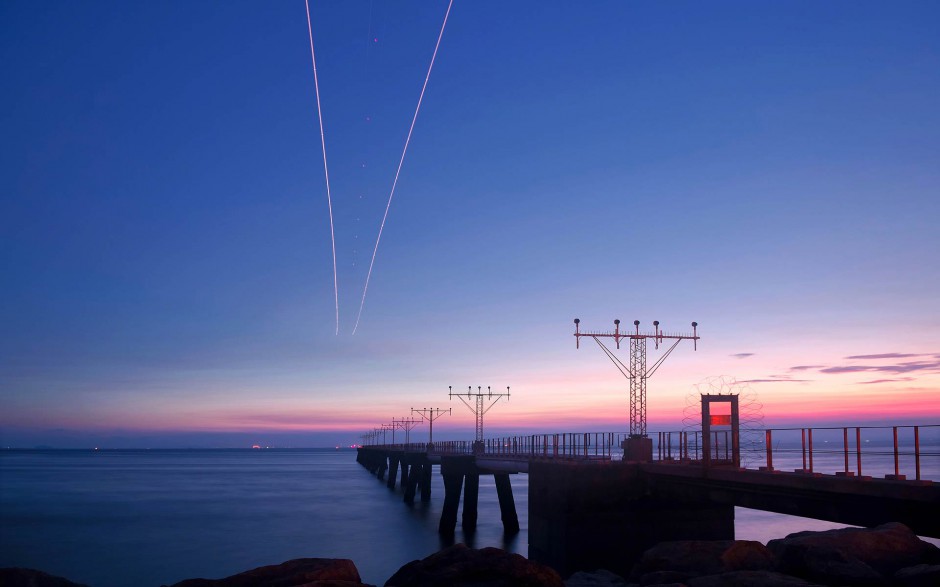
x=748, y=579
x=598, y=578
x=918, y=576
x=302, y=572
x=690, y=558
x=885, y=556
x=461, y=566
x=853, y=556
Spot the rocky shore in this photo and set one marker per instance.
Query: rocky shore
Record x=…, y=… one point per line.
x=886, y=556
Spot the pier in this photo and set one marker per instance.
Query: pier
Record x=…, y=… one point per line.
x=590, y=509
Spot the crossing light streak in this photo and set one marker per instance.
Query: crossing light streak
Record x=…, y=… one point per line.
x=401, y=162
x=326, y=170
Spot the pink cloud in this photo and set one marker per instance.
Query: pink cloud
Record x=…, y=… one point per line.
x=885, y=356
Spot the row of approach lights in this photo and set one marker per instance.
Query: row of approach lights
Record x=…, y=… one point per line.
x=431, y=414
x=407, y=424
x=657, y=336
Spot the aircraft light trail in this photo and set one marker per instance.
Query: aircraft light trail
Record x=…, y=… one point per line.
x=401, y=162
x=326, y=171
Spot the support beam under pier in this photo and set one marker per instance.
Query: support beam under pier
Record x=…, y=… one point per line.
x=426, y=483
x=471, y=493
x=404, y=474
x=411, y=486
x=507, y=505
x=453, y=482
x=392, y=470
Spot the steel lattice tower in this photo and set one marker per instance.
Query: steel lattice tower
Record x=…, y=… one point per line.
x=638, y=387
x=478, y=409
x=637, y=372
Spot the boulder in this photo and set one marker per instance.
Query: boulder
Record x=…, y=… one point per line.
x=664, y=578
x=301, y=572
x=19, y=577
x=598, y=578
x=829, y=566
x=852, y=556
x=748, y=579
x=704, y=557
x=918, y=576
x=461, y=566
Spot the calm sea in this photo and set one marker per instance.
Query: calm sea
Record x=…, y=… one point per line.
x=153, y=517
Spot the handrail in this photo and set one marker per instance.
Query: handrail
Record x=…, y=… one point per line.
x=809, y=450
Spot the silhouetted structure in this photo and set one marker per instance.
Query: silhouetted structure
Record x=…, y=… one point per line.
x=638, y=447
x=589, y=511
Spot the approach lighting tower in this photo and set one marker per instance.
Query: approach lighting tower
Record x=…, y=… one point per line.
x=637, y=372
x=406, y=424
x=385, y=428
x=430, y=414
x=478, y=408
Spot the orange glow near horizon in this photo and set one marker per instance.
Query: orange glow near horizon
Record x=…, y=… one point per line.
x=578, y=401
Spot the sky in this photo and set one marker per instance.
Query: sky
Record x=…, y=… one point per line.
x=769, y=170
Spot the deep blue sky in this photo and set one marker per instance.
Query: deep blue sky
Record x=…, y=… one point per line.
x=768, y=169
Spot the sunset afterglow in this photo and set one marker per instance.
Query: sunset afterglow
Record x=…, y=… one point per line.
x=170, y=280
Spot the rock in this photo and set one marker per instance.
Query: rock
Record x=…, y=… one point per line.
x=704, y=557
x=664, y=578
x=885, y=549
x=598, y=578
x=19, y=577
x=748, y=579
x=828, y=566
x=748, y=555
x=918, y=576
x=460, y=566
x=301, y=572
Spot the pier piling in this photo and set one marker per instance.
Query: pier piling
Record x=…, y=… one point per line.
x=507, y=505
x=404, y=474
x=392, y=470
x=471, y=493
x=453, y=482
x=426, y=483
x=412, y=485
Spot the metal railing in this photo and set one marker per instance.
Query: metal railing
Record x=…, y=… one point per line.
x=896, y=452
x=566, y=445
x=844, y=451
